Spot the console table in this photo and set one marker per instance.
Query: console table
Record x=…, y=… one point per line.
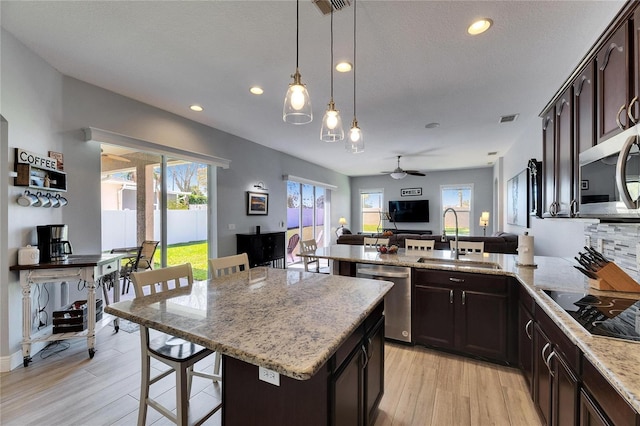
x=263, y=249
x=87, y=268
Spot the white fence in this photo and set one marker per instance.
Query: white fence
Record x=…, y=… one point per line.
x=183, y=226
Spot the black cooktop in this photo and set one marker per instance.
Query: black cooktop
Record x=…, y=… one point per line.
x=616, y=317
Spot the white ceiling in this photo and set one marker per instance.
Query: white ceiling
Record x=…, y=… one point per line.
x=415, y=65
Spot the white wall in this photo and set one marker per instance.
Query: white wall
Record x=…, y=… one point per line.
x=482, y=180
x=47, y=111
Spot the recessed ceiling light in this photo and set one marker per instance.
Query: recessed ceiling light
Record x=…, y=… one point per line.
x=256, y=90
x=344, y=67
x=196, y=108
x=432, y=125
x=480, y=26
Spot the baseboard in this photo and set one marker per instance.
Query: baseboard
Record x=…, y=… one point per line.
x=10, y=362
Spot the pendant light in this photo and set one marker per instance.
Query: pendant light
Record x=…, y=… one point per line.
x=355, y=141
x=297, y=103
x=331, y=130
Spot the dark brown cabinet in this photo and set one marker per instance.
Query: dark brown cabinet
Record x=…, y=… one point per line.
x=358, y=383
x=584, y=92
x=590, y=413
x=558, y=158
x=263, y=249
x=468, y=313
x=525, y=337
x=556, y=364
x=613, y=81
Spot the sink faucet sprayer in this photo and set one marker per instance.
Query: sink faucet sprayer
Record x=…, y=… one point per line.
x=444, y=232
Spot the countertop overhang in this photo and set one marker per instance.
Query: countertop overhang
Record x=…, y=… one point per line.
x=288, y=321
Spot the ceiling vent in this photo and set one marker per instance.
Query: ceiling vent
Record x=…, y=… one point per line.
x=325, y=5
x=508, y=118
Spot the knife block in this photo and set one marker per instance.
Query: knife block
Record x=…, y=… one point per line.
x=611, y=277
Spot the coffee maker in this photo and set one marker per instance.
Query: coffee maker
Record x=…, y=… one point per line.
x=53, y=243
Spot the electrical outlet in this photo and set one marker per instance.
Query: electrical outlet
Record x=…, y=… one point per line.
x=587, y=240
x=269, y=376
x=232, y=226
x=600, y=245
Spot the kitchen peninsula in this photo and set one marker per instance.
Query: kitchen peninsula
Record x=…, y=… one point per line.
x=595, y=362
x=315, y=333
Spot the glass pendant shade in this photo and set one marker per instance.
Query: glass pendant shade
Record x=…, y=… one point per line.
x=332, y=130
x=398, y=174
x=355, y=141
x=297, y=103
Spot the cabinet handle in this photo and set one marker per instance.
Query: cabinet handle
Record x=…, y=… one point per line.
x=544, y=349
x=451, y=296
x=456, y=280
x=464, y=297
x=366, y=357
x=630, y=109
x=553, y=211
x=548, y=363
x=527, y=329
x=573, y=208
x=622, y=108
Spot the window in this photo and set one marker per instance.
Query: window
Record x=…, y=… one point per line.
x=459, y=198
x=371, y=206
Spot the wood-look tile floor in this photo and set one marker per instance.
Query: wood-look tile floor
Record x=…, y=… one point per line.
x=422, y=387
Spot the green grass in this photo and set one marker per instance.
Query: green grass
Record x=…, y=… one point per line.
x=194, y=252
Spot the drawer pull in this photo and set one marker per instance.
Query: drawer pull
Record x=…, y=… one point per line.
x=451, y=296
x=456, y=280
x=527, y=329
x=464, y=297
x=548, y=362
x=620, y=125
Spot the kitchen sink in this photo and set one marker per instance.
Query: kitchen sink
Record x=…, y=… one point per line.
x=459, y=263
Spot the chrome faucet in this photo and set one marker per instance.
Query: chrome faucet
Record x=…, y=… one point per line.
x=444, y=232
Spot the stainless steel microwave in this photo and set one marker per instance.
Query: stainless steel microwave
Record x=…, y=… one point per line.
x=610, y=178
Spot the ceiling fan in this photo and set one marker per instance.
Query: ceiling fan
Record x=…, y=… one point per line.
x=399, y=173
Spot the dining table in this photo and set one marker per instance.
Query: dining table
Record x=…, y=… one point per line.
x=270, y=325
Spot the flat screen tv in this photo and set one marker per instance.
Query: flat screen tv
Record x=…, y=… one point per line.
x=409, y=211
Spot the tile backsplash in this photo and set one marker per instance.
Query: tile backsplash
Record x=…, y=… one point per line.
x=619, y=241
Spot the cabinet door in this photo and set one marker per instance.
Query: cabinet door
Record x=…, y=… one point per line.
x=525, y=344
x=541, y=374
x=433, y=322
x=590, y=414
x=347, y=392
x=564, y=150
x=548, y=162
x=584, y=110
x=565, y=393
x=613, y=84
x=635, y=105
x=482, y=324
x=374, y=372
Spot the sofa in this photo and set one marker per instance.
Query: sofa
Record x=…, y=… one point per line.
x=500, y=242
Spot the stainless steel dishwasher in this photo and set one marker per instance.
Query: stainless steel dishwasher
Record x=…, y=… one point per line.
x=397, y=303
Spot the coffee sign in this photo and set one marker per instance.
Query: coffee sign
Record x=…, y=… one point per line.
x=36, y=160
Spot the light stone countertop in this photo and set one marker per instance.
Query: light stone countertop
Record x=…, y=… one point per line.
x=617, y=360
x=288, y=321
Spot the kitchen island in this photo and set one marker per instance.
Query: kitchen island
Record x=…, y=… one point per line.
x=309, y=332
x=615, y=360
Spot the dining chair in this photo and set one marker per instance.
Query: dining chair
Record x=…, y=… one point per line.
x=424, y=245
x=178, y=354
x=468, y=246
x=375, y=241
x=310, y=246
x=228, y=265
x=291, y=245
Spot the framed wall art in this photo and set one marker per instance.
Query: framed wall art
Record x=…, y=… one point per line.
x=257, y=203
x=518, y=199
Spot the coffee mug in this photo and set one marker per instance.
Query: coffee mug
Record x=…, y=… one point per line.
x=43, y=201
x=61, y=200
x=53, y=200
x=27, y=199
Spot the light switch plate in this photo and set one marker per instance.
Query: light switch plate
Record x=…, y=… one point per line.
x=269, y=376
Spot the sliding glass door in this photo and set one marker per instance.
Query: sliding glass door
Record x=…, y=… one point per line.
x=149, y=196
x=306, y=216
